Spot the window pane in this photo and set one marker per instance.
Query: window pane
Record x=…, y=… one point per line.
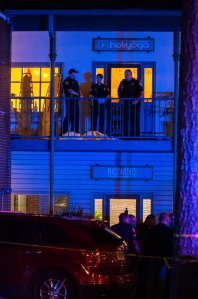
x=16, y=74
x=98, y=209
x=35, y=74
x=15, y=89
x=61, y=204
x=99, y=233
x=36, y=89
x=27, y=70
x=45, y=89
x=26, y=88
x=148, y=83
x=53, y=234
x=146, y=208
x=45, y=74
x=16, y=231
x=118, y=206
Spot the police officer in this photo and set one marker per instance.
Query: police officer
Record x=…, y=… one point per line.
x=130, y=88
x=100, y=95
x=72, y=93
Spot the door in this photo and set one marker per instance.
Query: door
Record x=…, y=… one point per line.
x=113, y=73
x=120, y=205
x=108, y=207
x=116, y=75
x=143, y=71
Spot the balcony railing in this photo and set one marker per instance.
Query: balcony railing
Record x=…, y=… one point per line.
x=103, y=118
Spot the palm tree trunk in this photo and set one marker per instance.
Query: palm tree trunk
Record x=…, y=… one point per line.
x=184, y=278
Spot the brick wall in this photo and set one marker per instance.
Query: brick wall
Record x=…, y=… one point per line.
x=5, y=60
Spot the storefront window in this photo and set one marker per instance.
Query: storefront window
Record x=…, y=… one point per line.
x=118, y=206
x=98, y=213
x=146, y=208
x=38, y=203
x=32, y=82
x=109, y=208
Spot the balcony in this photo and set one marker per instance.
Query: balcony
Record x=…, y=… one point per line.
x=123, y=119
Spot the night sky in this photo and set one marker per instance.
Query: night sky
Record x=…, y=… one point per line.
x=86, y=4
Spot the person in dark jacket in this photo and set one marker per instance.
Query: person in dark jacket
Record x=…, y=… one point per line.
x=130, y=89
x=100, y=101
x=160, y=238
x=143, y=232
x=72, y=94
x=125, y=229
x=160, y=241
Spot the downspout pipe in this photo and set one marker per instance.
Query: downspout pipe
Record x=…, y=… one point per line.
x=176, y=57
x=52, y=56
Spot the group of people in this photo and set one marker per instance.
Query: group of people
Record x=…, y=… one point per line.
x=151, y=241
x=152, y=237
x=100, y=102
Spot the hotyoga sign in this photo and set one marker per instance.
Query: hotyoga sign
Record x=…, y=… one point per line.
x=122, y=172
x=123, y=44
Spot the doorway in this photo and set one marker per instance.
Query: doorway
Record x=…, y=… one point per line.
x=113, y=73
x=116, y=75
x=109, y=206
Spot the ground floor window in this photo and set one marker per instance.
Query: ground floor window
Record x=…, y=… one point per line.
x=108, y=207
x=38, y=203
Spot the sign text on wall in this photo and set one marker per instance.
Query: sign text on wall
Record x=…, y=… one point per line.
x=123, y=44
x=122, y=172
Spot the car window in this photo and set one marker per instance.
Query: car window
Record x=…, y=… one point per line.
x=53, y=234
x=16, y=230
x=100, y=233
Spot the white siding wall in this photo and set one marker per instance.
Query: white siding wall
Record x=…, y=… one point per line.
x=30, y=174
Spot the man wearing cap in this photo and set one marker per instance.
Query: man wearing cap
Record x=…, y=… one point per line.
x=72, y=93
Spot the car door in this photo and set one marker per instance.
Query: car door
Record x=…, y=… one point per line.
x=15, y=244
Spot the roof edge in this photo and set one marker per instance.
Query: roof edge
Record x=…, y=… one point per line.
x=99, y=12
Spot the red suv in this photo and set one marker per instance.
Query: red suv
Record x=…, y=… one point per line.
x=60, y=257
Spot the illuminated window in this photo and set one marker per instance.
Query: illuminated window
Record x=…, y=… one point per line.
x=148, y=84
x=146, y=208
x=100, y=70
x=31, y=82
x=117, y=75
x=98, y=213
x=118, y=206
x=38, y=203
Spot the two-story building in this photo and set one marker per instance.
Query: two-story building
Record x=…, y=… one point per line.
x=101, y=174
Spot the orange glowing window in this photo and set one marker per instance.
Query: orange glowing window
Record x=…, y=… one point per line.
x=148, y=84
x=117, y=74
x=38, y=83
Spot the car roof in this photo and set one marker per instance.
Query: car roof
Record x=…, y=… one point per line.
x=16, y=214
x=87, y=232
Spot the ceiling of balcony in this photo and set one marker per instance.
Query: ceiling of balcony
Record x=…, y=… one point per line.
x=103, y=15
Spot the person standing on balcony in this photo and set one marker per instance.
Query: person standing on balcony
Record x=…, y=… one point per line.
x=72, y=94
x=130, y=89
x=101, y=105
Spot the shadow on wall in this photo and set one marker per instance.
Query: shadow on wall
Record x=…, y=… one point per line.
x=86, y=86
x=86, y=111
